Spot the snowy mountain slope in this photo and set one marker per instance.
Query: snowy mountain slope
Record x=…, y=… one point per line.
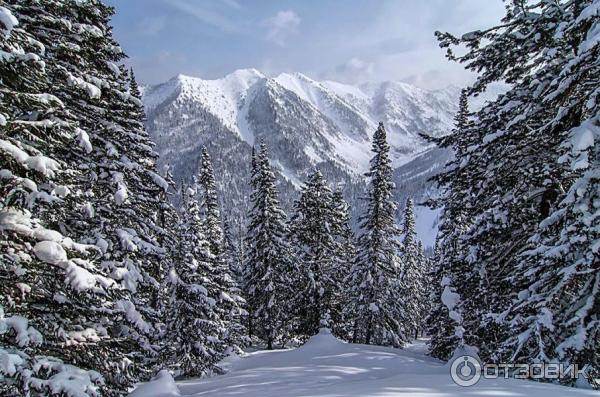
x=408, y=111
x=224, y=98
x=412, y=181
x=325, y=366
x=347, y=115
x=306, y=124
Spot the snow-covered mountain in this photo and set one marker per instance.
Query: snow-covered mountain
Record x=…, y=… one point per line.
x=306, y=124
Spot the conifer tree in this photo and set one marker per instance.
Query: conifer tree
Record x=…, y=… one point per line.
x=95, y=312
x=134, y=89
x=426, y=280
x=413, y=273
x=210, y=204
x=194, y=335
x=248, y=269
x=527, y=172
x=169, y=237
x=376, y=284
x=111, y=202
x=319, y=237
x=268, y=261
x=446, y=335
x=345, y=256
x=234, y=251
x=48, y=282
x=226, y=291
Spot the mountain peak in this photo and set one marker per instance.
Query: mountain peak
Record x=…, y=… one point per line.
x=183, y=78
x=242, y=78
x=295, y=75
x=246, y=73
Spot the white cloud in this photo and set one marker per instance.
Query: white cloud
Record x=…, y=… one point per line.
x=281, y=26
x=367, y=41
x=150, y=26
x=352, y=71
x=205, y=15
x=233, y=4
x=161, y=66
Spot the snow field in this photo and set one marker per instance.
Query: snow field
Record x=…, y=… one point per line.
x=328, y=367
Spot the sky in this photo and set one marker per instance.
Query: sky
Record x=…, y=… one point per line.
x=351, y=41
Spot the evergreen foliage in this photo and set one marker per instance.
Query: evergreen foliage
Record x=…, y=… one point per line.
x=195, y=331
x=97, y=296
x=320, y=237
x=413, y=273
x=103, y=282
x=227, y=292
x=269, y=267
x=376, y=282
x=525, y=177
x=446, y=333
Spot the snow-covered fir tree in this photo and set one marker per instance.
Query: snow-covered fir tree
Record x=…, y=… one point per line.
x=108, y=198
x=142, y=221
x=50, y=290
x=345, y=257
x=227, y=293
x=444, y=331
x=233, y=247
x=169, y=225
x=413, y=273
x=427, y=287
x=529, y=181
x=318, y=234
x=268, y=265
x=194, y=335
x=247, y=267
x=376, y=298
x=210, y=204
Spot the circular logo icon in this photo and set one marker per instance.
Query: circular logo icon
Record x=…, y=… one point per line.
x=465, y=371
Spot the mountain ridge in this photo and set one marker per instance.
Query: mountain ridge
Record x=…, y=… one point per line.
x=306, y=123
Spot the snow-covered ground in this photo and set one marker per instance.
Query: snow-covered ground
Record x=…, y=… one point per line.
x=327, y=367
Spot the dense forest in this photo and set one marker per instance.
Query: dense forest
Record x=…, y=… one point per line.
x=111, y=272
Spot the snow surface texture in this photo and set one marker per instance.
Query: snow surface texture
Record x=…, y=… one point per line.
x=325, y=366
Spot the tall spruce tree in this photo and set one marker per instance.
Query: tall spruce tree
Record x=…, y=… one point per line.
x=108, y=200
x=248, y=267
x=427, y=287
x=413, y=273
x=168, y=222
x=376, y=283
x=319, y=237
x=226, y=291
x=342, y=323
x=446, y=334
x=195, y=334
x=234, y=250
x=50, y=290
x=268, y=266
x=210, y=204
x=527, y=170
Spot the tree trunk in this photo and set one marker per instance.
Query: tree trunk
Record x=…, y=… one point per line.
x=368, y=336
